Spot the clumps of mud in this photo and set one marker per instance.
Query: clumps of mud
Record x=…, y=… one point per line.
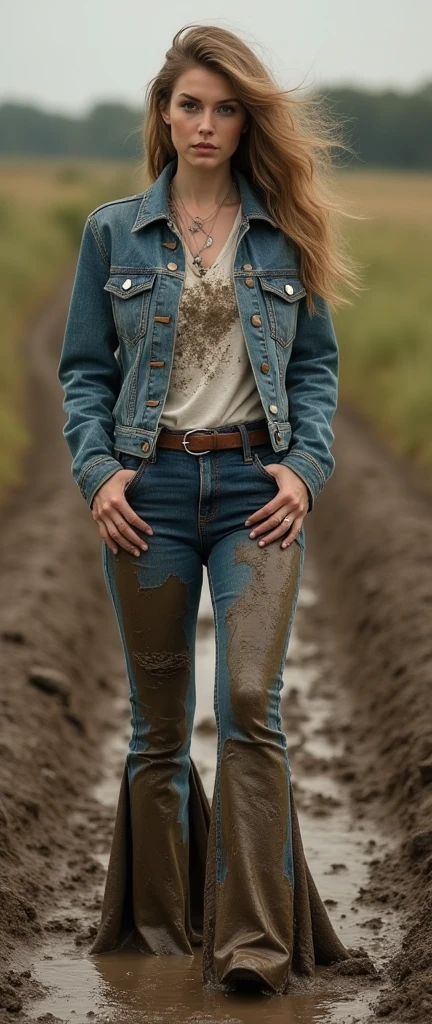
x=15, y=989
x=54, y=622
x=371, y=535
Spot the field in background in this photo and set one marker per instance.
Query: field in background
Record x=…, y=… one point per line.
x=386, y=356
x=43, y=206
x=385, y=337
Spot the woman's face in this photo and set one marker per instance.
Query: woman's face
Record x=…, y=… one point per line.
x=203, y=109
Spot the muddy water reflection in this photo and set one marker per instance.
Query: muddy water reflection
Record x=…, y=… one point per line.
x=127, y=986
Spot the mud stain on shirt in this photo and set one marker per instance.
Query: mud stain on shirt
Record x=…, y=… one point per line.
x=207, y=314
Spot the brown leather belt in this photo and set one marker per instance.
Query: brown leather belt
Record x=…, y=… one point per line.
x=195, y=442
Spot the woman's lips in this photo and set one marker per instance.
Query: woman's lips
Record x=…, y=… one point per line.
x=208, y=149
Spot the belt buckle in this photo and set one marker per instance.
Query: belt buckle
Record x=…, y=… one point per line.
x=197, y=430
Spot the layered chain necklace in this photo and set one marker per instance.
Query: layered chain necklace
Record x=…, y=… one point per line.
x=196, y=223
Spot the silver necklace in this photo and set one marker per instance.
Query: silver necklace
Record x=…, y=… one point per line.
x=197, y=225
x=197, y=222
x=208, y=241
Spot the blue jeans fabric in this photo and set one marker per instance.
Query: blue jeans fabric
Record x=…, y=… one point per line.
x=197, y=506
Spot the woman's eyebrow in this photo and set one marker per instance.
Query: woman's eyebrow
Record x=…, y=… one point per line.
x=231, y=99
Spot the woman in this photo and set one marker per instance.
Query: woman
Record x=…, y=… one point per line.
x=200, y=376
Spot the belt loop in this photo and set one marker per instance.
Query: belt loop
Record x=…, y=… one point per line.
x=247, y=454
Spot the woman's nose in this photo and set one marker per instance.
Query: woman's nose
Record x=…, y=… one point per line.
x=206, y=123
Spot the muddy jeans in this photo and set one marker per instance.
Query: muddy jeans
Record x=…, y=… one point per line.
x=238, y=882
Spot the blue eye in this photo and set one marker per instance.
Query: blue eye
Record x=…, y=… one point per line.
x=190, y=103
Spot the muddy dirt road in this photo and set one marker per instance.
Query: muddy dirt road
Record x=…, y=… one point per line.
x=356, y=708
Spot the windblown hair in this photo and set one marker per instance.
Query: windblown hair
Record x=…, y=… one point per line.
x=286, y=152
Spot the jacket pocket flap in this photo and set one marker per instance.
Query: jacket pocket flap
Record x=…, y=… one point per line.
x=126, y=285
x=290, y=289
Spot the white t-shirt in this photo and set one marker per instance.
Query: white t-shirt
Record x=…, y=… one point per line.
x=212, y=383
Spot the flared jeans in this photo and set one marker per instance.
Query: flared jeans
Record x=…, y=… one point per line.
x=233, y=878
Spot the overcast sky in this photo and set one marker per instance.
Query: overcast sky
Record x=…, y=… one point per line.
x=66, y=56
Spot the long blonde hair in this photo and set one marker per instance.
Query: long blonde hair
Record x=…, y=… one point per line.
x=286, y=153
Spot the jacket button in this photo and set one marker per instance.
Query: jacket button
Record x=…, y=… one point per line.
x=289, y=288
x=256, y=320
x=265, y=367
x=145, y=447
x=273, y=408
x=247, y=266
x=172, y=266
x=250, y=282
x=127, y=284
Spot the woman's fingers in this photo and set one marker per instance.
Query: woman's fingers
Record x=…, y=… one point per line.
x=121, y=531
x=291, y=502
x=106, y=537
x=121, y=541
x=115, y=517
x=277, y=526
x=121, y=518
x=281, y=531
x=275, y=522
x=294, y=530
x=282, y=501
x=132, y=517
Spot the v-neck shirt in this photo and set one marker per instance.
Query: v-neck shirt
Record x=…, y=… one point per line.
x=212, y=382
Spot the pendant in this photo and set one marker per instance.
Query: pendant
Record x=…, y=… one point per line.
x=193, y=228
x=197, y=260
x=209, y=241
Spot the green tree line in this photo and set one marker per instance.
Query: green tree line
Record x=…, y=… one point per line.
x=384, y=129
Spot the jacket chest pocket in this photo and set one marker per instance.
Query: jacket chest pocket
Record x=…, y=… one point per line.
x=130, y=299
x=282, y=297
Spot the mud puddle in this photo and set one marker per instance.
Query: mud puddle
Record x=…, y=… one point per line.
x=127, y=986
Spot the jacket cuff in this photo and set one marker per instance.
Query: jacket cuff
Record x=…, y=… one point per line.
x=95, y=474
x=309, y=471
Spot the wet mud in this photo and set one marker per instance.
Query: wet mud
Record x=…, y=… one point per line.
x=372, y=545
x=355, y=707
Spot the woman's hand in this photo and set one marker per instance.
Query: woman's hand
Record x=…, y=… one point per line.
x=114, y=516
x=292, y=501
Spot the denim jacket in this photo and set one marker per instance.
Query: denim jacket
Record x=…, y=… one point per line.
x=120, y=334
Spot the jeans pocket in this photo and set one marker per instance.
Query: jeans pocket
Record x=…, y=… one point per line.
x=136, y=463
x=267, y=456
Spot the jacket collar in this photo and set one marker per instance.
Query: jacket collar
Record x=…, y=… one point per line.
x=154, y=205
